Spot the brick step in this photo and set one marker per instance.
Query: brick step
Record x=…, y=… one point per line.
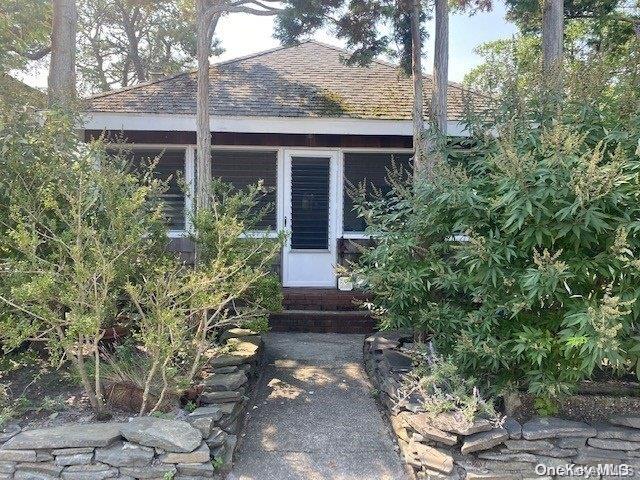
x=322, y=321
x=328, y=299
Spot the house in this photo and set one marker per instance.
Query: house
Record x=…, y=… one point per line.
x=296, y=117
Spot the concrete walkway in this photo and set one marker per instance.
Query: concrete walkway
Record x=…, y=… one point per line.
x=314, y=417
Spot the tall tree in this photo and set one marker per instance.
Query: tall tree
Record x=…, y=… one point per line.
x=394, y=28
x=208, y=13
x=371, y=28
x=419, y=137
x=62, y=70
x=552, y=35
x=441, y=65
x=124, y=42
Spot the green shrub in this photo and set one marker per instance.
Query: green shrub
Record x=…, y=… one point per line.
x=544, y=288
x=443, y=389
x=76, y=226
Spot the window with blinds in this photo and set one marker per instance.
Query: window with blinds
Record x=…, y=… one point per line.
x=242, y=168
x=372, y=170
x=170, y=167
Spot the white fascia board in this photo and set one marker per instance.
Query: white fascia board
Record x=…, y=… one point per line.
x=320, y=126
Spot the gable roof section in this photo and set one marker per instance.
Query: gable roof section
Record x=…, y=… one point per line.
x=308, y=80
x=13, y=91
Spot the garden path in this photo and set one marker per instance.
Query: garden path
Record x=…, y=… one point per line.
x=314, y=417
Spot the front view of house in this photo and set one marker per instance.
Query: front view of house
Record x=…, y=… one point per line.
x=296, y=118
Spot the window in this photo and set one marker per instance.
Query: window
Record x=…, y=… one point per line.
x=170, y=166
x=242, y=168
x=372, y=170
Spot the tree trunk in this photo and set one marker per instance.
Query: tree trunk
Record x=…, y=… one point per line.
x=129, y=19
x=418, y=90
x=62, y=71
x=203, y=134
x=552, y=41
x=441, y=66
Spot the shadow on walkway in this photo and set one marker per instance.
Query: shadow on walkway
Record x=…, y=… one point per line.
x=314, y=417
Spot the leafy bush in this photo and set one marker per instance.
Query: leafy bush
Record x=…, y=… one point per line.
x=73, y=236
x=439, y=386
x=82, y=242
x=244, y=287
x=544, y=288
x=179, y=309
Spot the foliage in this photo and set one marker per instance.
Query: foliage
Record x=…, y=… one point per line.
x=123, y=42
x=24, y=32
x=238, y=265
x=179, y=308
x=441, y=388
x=543, y=289
x=603, y=21
x=370, y=28
x=73, y=235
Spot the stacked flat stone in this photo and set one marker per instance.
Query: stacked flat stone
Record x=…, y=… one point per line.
x=226, y=391
x=448, y=446
x=146, y=448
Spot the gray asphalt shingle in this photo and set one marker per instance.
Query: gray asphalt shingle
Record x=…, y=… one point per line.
x=306, y=80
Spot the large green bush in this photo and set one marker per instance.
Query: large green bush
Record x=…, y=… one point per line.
x=76, y=227
x=82, y=243
x=522, y=256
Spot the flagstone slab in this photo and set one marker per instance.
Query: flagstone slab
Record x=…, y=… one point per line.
x=66, y=436
x=169, y=435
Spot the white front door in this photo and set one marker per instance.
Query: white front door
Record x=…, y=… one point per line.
x=310, y=207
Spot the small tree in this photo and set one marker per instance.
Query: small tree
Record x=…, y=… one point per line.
x=234, y=273
x=76, y=228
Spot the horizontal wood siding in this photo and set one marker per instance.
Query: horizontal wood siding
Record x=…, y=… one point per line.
x=256, y=139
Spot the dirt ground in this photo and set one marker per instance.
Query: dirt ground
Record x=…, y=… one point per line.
x=37, y=394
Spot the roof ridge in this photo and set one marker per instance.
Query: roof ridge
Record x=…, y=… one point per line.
x=256, y=55
x=138, y=85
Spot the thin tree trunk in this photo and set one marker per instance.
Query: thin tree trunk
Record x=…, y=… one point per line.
x=418, y=90
x=441, y=65
x=203, y=134
x=147, y=386
x=129, y=22
x=62, y=71
x=552, y=42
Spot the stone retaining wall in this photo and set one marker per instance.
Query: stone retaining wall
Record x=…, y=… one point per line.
x=182, y=448
x=449, y=447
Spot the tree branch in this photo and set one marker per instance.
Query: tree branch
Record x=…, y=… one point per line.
x=37, y=55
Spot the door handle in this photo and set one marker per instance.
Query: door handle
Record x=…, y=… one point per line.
x=285, y=222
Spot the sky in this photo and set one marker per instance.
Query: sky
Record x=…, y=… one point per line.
x=243, y=34
x=465, y=34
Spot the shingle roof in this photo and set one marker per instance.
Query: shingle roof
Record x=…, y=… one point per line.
x=306, y=80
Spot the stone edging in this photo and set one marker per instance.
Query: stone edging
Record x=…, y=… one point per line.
x=147, y=447
x=447, y=447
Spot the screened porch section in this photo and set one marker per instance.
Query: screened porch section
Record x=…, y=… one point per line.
x=245, y=166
